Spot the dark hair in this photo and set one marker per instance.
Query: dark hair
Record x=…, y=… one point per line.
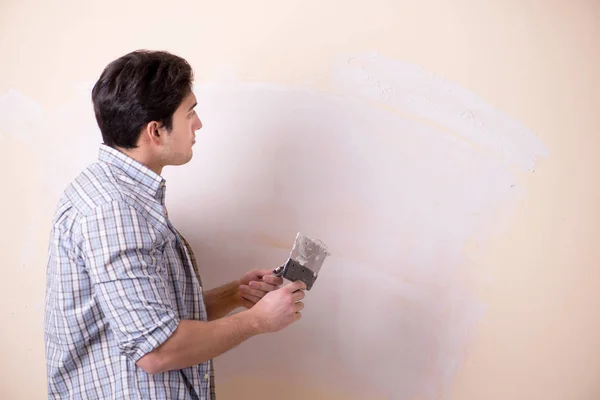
x=138, y=88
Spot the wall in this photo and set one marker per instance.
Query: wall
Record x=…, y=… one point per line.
x=444, y=150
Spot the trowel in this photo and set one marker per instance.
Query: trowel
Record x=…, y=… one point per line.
x=305, y=261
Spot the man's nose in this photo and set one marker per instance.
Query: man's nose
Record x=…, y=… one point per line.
x=198, y=125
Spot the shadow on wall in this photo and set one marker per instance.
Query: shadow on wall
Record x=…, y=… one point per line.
x=394, y=169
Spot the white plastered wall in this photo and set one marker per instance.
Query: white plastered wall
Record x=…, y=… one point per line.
x=444, y=150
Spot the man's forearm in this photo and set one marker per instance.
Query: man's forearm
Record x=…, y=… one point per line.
x=222, y=300
x=194, y=342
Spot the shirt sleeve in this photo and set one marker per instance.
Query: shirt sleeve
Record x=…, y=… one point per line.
x=124, y=259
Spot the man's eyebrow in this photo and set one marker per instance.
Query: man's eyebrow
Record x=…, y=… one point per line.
x=194, y=105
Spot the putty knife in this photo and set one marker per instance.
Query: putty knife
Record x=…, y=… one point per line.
x=304, y=262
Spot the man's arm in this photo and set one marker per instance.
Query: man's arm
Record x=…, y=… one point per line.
x=222, y=300
x=194, y=342
x=122, y=257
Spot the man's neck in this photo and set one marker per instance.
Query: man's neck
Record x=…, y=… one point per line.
x=143, y=158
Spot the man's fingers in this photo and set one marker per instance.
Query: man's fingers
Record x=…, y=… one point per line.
x=251, y=291
x=261, y=273
x=273, y=280
x=264, y=286
x=298, y=306
x=298, y=285
x=298, y=295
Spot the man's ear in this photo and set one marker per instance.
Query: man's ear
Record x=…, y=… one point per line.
x=154, y=132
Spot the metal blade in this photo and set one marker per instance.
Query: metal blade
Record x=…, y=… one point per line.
x=309, y=253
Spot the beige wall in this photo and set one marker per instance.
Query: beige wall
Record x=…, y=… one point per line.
x=465, y=274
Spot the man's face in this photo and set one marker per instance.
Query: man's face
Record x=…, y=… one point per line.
x=177, y=145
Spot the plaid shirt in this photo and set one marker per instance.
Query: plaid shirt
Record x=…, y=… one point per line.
x=119, y=279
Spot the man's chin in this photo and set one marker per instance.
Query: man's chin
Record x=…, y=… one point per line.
x=182, y=160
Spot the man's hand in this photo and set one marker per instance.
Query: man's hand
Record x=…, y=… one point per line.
x=254, y=285
x=279, y=308
x=244, y=292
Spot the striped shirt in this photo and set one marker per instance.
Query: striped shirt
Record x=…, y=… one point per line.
x=119, y=279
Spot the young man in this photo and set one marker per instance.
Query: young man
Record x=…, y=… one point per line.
x=126, y=314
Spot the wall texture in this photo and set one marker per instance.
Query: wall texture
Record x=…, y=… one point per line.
x=444, y=150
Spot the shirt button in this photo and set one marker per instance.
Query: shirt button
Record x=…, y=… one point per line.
x=206, y=376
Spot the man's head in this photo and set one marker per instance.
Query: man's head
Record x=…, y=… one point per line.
x=144, y=103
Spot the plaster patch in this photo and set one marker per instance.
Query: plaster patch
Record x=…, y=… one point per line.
x=395, y=198
x=396, y=170
x=409, y=88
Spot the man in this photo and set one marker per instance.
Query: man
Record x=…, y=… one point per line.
x=126, y=314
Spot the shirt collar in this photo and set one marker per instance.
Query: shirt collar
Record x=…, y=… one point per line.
x=134, y=171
